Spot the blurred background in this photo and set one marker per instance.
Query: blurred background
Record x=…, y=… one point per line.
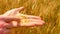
x=48, y=10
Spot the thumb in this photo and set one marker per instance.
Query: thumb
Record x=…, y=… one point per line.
x=13, y=11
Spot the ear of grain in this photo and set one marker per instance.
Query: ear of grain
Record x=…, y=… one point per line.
x=48, y=10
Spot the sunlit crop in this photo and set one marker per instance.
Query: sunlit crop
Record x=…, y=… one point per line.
x=48, y=10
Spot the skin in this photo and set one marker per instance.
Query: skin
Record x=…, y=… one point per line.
x=6, y=20
x=33, y=20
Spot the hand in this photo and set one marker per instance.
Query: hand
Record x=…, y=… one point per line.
x=6, y=21
x=25, y=20
x=22, y=20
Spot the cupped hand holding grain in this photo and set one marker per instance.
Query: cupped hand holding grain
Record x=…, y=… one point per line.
x=13, y=18
x=25, y=20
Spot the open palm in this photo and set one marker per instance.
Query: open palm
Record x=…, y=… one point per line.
x=25, y=20
x=13, y=18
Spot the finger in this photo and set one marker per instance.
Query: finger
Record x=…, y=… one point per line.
x=14, y=24
x=30, y=20
x=13, y=11
x=10, y=25
x=3, y=23
x=28, y=16
x=5, y=31
x=9, y=18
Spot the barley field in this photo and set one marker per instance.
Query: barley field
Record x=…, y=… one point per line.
x=48, y=10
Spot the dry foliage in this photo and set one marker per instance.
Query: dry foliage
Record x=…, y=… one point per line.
x=48, y=10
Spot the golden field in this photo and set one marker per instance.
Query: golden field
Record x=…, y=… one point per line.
x=48, y=10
